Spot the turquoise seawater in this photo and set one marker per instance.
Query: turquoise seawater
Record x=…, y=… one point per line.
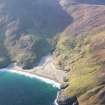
x=16, y=89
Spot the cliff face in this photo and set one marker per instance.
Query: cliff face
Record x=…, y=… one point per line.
x=81, y=51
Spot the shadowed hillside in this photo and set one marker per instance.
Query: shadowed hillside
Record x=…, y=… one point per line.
x=26, y=23
x=44, y=18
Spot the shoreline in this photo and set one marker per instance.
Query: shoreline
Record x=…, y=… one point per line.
x=35, y=76
x=46, y=68
x=45, y=79
x=31, y=75
x=46, y=72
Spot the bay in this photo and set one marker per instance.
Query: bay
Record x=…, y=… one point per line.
x=17, y=89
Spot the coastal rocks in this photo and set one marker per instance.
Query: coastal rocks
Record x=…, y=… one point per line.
x=65, y=79
x=67, y=69
x=66, y=100
x=64, y=85
x=63, y=99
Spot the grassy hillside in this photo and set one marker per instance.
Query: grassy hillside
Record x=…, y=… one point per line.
x=81, y=52
x=73, y=29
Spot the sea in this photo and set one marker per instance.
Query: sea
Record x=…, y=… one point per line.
x=16, y=89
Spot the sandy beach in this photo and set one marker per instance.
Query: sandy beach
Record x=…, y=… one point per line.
x=45, y=71
x=46, y=80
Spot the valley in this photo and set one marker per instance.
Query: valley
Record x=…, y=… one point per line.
x=71, y=31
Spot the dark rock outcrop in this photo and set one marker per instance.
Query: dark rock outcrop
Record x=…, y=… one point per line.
x=65, y=79
x=66, y=100
x=64, y=85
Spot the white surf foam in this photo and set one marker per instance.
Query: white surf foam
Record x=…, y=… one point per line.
x=46, y=80
x=55, y=102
